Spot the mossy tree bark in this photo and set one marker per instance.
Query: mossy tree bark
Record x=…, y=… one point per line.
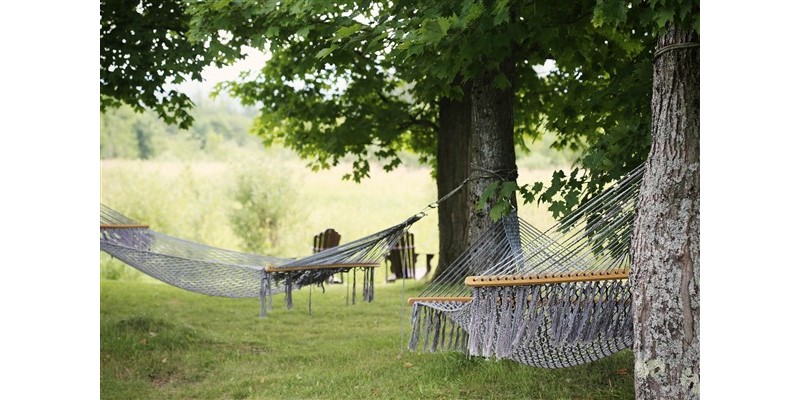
x=665, y=246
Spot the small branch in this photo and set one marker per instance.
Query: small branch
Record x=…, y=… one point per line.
x=419, y=122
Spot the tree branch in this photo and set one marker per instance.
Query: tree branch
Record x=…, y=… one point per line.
x=419, y=122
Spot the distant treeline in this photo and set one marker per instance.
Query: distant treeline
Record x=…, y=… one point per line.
x=220, y=132
x=127, y=134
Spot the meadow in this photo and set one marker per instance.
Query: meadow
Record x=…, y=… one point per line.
x=159, y=342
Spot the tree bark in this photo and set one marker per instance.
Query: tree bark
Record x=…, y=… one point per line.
x=492, y=141
x=665, y=246
x=452, y=158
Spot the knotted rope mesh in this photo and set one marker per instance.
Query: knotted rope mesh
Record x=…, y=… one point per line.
x=362, y=254
x=218, y=272
x=550, y=299
x=185, y=264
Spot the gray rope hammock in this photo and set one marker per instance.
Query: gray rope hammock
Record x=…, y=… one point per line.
x=549, y=299
x=219, y=272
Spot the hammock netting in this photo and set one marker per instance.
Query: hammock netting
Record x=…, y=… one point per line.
x=362, y=254
x=218, y=272
x=185, y=264
x=549, y=299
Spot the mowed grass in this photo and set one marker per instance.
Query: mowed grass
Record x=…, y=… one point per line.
x=160, y=342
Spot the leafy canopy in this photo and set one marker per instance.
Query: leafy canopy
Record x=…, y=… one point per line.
x=363, y=79
x=606, y=105
x=144, y=47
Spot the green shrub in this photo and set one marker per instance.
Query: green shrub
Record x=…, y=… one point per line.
x=266, y=204
x=113, y=269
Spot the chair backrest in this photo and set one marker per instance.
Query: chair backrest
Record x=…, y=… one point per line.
x=403, y=258
x=327, y=239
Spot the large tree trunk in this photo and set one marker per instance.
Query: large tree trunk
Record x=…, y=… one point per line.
x=666, y=238
x=452, y=158
x=492, y=140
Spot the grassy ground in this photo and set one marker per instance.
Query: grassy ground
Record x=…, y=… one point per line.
x=159, y=342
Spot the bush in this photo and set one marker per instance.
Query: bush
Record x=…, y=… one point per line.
x=266, y=205
x=113, y=269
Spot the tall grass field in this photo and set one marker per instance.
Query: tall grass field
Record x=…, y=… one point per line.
x=159, y=342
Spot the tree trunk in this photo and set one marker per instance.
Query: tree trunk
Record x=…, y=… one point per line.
x=665, y=246
x=492, y=141
x=452, y=160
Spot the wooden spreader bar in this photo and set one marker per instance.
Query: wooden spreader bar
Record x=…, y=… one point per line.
x=520, y=280
x=455, y=299
x=322, y=266
x=124, y=226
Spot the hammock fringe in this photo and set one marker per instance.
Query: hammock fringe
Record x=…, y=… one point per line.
x=439, y=333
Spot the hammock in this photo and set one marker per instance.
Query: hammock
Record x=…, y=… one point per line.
x=218, y=272
x=362, y=254
x=549, y=299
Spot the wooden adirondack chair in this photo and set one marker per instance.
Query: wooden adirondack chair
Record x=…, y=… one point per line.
x=402, y=259
x=325, y=240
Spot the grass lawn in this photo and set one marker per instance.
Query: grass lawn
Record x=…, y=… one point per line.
x=160, y=342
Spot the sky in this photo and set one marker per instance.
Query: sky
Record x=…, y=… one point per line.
x=212, y=75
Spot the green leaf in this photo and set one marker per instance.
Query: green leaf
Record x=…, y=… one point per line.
x=431, y=32
x=557, y=208
x=663, y=16
x=271, y=5
x=500, y=6
x=444, y=24
x=501, y=12
x=571, y=199
x=303, y=32
x=508, y=189
x=376, y=43
x=501, y=81
x=346, y=31
x=325, y=52
x=258, y=41
x=219, y=4
x=473, y=12
x=527, y=195
x=610, y=12
x=499, y=210
x=489, y=192
x=272, y=32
